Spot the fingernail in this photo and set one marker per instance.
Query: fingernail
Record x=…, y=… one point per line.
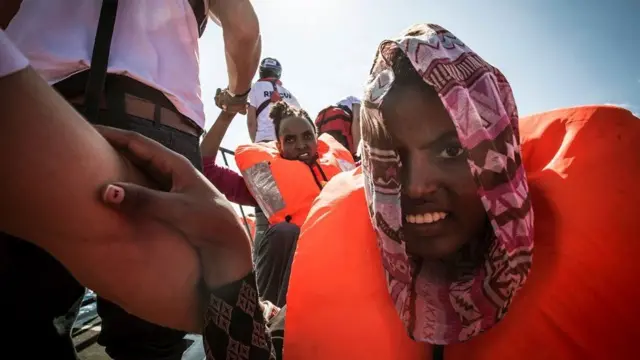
x=113, y=194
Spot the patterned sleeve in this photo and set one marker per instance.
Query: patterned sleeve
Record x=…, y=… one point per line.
x=236, y=323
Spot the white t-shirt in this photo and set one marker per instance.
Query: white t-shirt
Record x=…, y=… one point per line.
x=11, y=59
x=261, y=92
x=154, y=42
x=348, y=102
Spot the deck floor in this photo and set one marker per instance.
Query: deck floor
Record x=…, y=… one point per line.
x=85, y=338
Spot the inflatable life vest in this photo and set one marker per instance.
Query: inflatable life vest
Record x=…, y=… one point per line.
x=285, y=189
x=580, y=301
x=337, y=121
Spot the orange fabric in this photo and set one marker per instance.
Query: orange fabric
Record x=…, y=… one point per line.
x=251, y=223
x=580, y=300
x=294, y=180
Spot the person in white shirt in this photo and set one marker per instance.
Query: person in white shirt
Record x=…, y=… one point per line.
x=342, y=121
x=353, y=104
x=131, y=65
x=265, y=92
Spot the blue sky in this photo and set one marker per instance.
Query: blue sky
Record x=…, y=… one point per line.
x=555, y=53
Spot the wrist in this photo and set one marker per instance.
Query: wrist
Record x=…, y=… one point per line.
x=226, y=117
x=238, y=94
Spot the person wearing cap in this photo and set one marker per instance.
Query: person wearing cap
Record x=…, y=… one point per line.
x=342, y=121
x=265, y=92
x=353, y=104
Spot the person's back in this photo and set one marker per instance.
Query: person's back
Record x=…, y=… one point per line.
x=153, y=42
x=132, y=65
x=342, y=121
x=60, y=45
x=264, y=93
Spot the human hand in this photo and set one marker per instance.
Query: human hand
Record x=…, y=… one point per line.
x=190, y=206
x=231, y=104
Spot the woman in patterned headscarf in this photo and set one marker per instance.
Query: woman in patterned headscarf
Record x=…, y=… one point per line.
x=449, y=203
x=451, y=209
x=422, y=253
x=448, y=193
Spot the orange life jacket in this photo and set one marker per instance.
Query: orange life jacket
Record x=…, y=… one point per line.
x=580, y=301
x=285, y=189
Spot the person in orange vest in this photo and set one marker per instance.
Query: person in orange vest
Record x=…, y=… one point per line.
x=284, y=177
x=426, y=251
x=300, y=161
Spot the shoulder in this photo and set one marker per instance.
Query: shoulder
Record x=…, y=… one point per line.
x=257, y=93
x=259, y=87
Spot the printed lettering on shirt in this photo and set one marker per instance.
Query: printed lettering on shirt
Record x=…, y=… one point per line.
x=284, y=94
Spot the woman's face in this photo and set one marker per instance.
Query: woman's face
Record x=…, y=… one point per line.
x=297, y=139
x=440, y=206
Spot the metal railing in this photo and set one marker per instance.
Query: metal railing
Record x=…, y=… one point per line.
x=224, y=153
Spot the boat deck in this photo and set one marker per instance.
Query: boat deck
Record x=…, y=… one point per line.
x=87, y=328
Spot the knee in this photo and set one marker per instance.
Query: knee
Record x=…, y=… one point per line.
x=286, y=227
x=282, y=234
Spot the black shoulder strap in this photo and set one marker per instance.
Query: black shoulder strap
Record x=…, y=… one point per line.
x=266, y=103
x=100, y=59
x=346, y=109
x=198, y=8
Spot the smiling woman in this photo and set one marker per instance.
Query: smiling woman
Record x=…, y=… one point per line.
x=285, y=176
x=440, y=204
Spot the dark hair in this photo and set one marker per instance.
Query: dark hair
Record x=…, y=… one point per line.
x=282, y=110
x=268, y=73
x=406, y=75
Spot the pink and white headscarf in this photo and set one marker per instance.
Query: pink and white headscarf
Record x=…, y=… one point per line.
x=480, y=102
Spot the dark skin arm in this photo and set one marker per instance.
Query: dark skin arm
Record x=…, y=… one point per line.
x=187, y=208
x=211, y=142
x=8, y=9
x=54, y=165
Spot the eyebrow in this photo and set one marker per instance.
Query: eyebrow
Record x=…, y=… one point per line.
x=444, y=137
x=304, y=133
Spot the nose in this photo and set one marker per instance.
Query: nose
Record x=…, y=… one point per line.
x=420, y=178
x=301, y=144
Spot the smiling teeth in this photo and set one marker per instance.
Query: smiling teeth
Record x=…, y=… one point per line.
x=426, y=218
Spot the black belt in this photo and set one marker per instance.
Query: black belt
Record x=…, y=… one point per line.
x=124, y=95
